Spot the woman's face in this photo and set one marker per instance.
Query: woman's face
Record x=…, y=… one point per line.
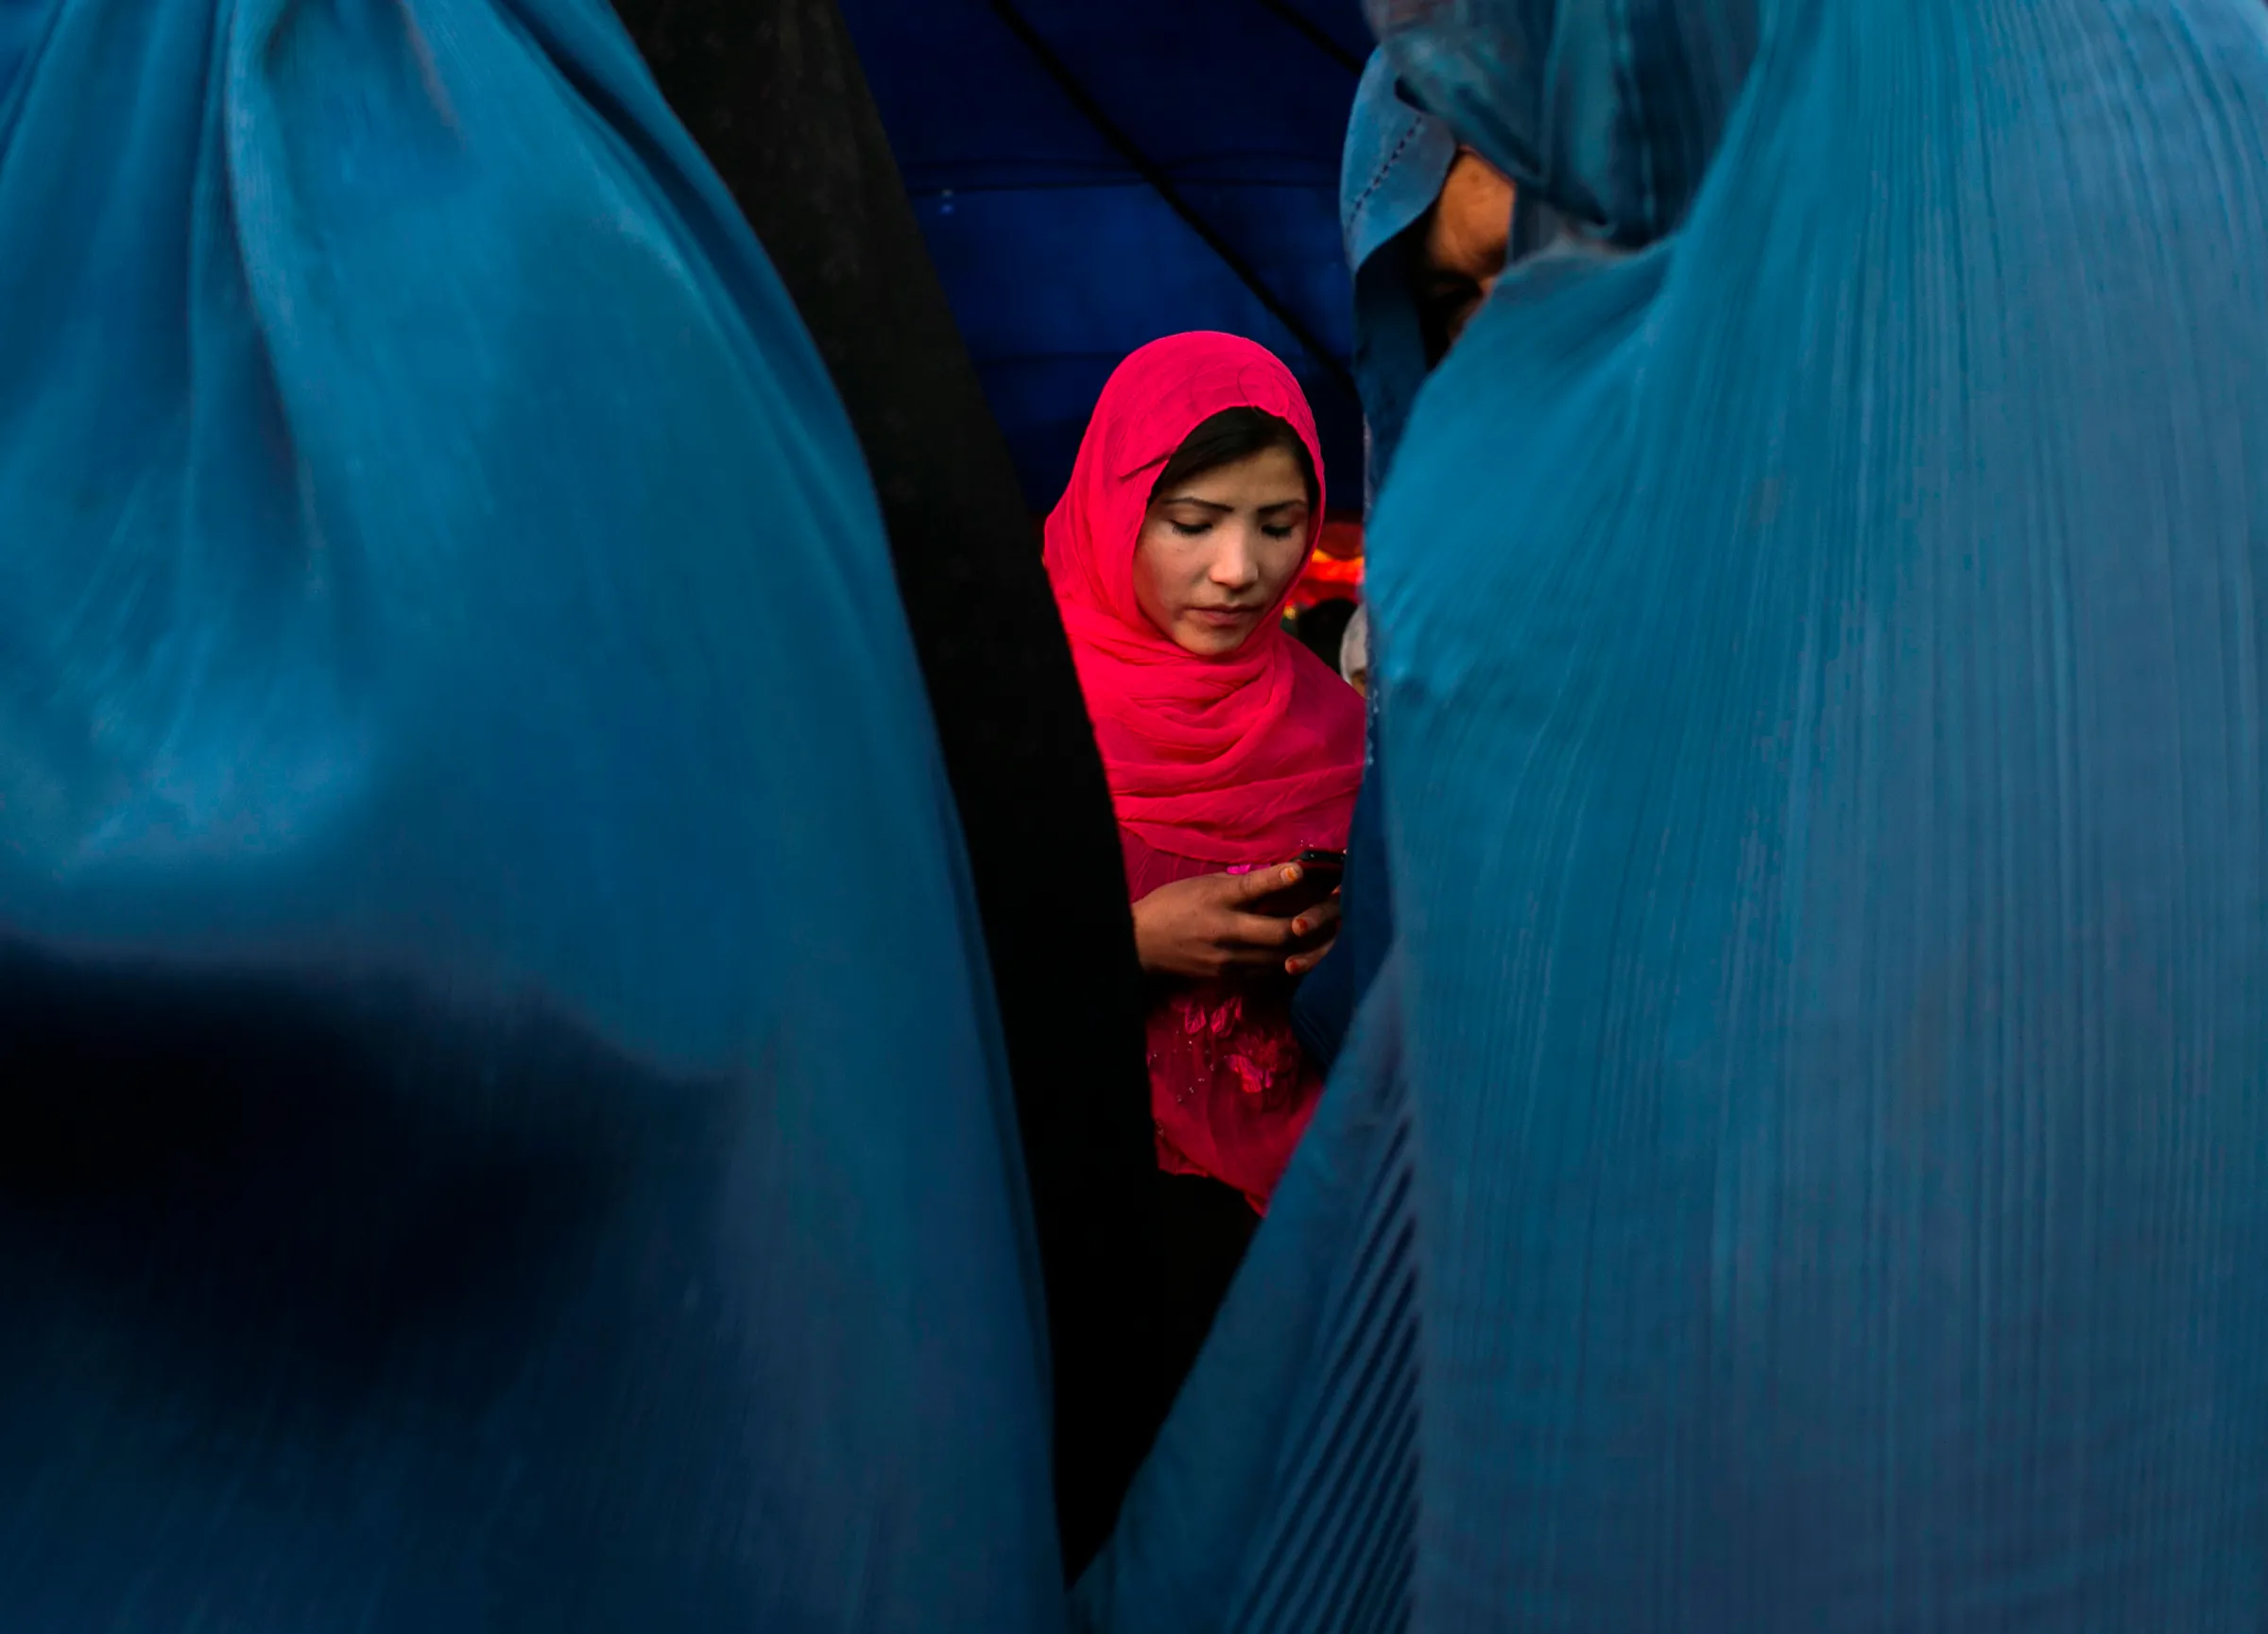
x=1468, y=235
x=1218, y=552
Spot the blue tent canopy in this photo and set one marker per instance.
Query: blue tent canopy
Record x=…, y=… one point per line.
x=1091, y=176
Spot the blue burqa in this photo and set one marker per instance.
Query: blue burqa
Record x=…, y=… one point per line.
x=1805, y=1162
x=1396, y=160
x=502, y=1126
x=1395, y=163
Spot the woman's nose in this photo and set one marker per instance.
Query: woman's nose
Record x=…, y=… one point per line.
x=1234, y=566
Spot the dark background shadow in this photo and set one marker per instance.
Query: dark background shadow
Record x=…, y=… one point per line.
x=773, y=92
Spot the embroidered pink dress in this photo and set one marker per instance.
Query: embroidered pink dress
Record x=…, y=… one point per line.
x=1231, y=1088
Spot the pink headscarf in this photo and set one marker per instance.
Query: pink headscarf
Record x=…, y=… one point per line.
x=1245, y=758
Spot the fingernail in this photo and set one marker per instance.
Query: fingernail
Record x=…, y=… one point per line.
x=1291, y=875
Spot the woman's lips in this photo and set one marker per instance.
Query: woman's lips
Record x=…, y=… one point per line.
x=1222, y=617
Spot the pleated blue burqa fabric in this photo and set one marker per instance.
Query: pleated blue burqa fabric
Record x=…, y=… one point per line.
x=502, y=1125
x=1805, y=1163
x=1396, y=160
x=1392, y=170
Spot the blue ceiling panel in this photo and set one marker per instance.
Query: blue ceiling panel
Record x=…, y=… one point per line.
x=1044, y=171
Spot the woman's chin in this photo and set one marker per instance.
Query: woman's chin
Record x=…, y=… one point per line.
x=1209, y=638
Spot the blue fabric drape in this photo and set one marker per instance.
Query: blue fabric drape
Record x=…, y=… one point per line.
x=504, y=1126
x=1395, y=161
x=1609, y=114
x=1397, y=158
x=1822, y=706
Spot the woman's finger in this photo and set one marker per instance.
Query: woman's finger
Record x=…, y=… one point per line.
x=1299, y=964
x=1244, y=960
x=1323, y=914
x=1248, y=966
x=1257, y=931
x=1261, y=883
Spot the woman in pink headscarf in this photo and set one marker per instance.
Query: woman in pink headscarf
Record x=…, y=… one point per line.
x=1230, y=750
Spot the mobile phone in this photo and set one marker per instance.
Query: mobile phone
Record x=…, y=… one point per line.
x=1320, y=874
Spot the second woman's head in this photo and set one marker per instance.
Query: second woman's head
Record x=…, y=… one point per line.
x=1230, y=524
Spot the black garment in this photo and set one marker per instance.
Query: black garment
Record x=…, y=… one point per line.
x=1322, y=628
x=773, y=92
x=1206, y=1226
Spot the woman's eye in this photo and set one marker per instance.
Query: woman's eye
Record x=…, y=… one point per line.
x=1191, y=529
x=1279, y=530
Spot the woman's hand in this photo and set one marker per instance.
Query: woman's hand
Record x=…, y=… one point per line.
x=1205, y=927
